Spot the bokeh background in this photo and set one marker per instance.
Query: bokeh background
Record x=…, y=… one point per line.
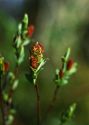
x=59, y=24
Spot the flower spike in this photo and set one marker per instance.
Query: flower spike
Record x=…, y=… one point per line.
x=68, y=68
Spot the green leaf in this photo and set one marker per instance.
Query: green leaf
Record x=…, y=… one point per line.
x=57, y=71
x=19, y=29
x=68, y=114
x=21, y=56
x=18, y=41
x=67, y=54
x=15, y=84
x=26, y=42
x=10, y=119
x=43, y=61
x=5, y=96
x=71, y=110
x=11, y=76
x=73, y=69
x=25, y=20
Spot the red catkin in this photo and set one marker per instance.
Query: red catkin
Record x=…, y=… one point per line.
x=31, y=29
x=34, y=62
x=70, y=64
x=6, y=66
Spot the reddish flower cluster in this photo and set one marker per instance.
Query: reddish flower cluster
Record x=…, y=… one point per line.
x=34, y=62
x=30, y=31
x=36, y=55
x=38, y=49
x=70, y=64
x=6, y=66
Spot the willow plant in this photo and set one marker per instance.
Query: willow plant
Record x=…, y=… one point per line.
x=9, y=79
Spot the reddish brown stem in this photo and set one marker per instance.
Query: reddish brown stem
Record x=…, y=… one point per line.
x=53, y=99
x=51, y=105
x=38, y=104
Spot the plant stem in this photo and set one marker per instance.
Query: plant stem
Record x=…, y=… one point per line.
x=38, y=104
x=50, y=107
x=53, y=99
x=3, y=108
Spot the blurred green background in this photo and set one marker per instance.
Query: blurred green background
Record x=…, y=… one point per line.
x=59, y=24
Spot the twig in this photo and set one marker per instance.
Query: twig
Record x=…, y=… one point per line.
x=53, y=99
x=38, y=104
x=51, y=105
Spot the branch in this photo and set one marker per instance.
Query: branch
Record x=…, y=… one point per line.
x=38, y=104
x=53, y=99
